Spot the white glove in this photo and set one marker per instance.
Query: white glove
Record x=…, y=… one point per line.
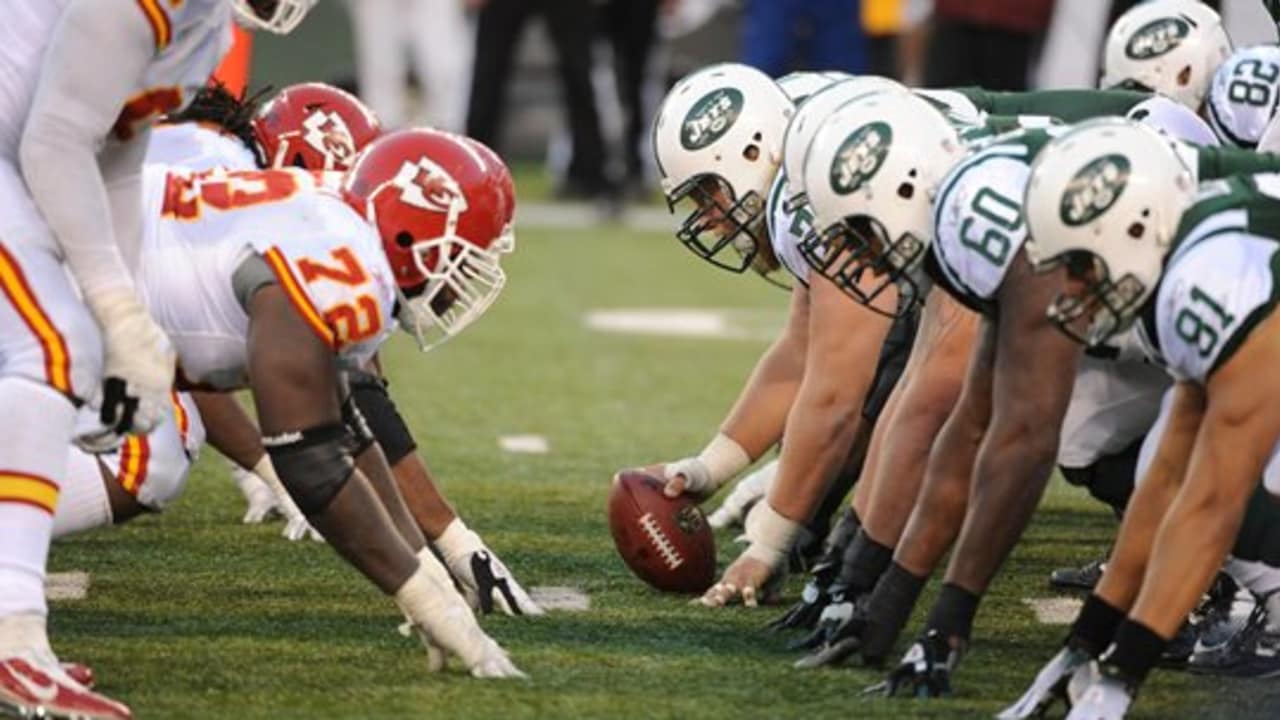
x=296, y=526
x=749, y=490
x=446, y=625
x=138, y=364
x=259, y=496
x=486, y=582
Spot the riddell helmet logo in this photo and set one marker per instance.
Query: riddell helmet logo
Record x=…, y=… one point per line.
x=860, y=157
x=710, y=118
x=1094, y=189
x=426, y=185
x=1157, y=38
x=328, y=134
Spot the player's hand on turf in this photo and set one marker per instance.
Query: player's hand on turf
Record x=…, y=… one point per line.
x=806, y=612
x=747, y=580
x=1050, y=685
x=924, y=672
x=838, y=633
x=488, y=584
x=258, y=496
x=138, y=365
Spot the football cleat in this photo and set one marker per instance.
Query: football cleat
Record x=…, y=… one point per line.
x=1082, y=578
x=1252, y=652
x=1050, y=685
x=33, y=685
x=1107, y=697
x=79, y=672
x=925, y=669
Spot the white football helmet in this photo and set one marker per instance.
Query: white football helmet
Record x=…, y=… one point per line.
x=1105, y=199
x=1244, y=94
x=275, y=16
x=804, y=125
x=1171, y=47
x=871, y=174
x=1173, y=119
x=718, y=143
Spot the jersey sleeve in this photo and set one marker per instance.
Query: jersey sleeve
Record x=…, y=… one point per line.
x=76, y=105
x=1066, y=105
x=787, y=230
x=1214, y=163
x=338, y=291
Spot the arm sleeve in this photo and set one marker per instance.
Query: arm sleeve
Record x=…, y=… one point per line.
x=1065, y=105
x=1215, y=163
x=77, y=102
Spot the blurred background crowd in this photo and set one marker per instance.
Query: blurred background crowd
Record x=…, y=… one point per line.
x=573, y=83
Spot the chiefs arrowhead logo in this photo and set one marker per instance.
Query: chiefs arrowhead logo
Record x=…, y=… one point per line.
x=426, y=185
x=329, y=135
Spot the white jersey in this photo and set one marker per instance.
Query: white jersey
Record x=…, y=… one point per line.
x=1244, y=95
x=788, y=229
x=1112, y=404
x=195, y=147
x=189, y=39
x=202, y=226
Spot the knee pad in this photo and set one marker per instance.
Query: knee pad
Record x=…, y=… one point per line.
x=383, y=418
x=313, y=465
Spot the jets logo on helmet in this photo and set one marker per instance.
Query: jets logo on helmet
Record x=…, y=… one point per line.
x=329, y=135
x=710, y=118
x=860, y=157
x=1094, y=189
x=1157, y=38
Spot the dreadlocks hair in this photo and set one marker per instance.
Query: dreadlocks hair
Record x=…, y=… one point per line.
x=216, y=104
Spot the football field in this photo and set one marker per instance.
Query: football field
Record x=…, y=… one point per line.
x=193, y=615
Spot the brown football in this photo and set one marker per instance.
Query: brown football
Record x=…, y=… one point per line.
x=666, y=542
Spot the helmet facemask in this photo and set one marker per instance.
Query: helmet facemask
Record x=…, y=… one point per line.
x=724, y=230
x=1094, y=307
x=463, y=280
x=274, y=16
x=857, y=256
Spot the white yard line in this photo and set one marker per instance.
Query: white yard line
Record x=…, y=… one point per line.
x=566, y=599
x=529, y=444
x=1055, y=610
x=72, y=585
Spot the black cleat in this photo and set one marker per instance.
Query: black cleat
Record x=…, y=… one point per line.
x=1079, y=578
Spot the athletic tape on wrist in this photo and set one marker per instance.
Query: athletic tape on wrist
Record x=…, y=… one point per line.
x=724, y=459
x=771, y=535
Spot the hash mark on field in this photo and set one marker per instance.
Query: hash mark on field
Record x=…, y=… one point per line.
x=1054, y=611
x=72, y=585
x=568, y=599
x=687, y=322
x=532, y=444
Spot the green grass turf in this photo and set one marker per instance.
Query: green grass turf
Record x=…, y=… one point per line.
x=192, y=615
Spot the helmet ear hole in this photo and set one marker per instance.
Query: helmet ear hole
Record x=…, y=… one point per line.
x=906, y=190
x=1136, y=230
x=1184, y=76
x=404, y=239
x=751, y=152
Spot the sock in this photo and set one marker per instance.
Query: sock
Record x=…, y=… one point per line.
x=888, y=611
x=865, y=560
x=1095, y=626
x=1258, y=578
x=1272, y=603
x=953, y=612
x=1135, y=652
x=83, y=503
x=33, y=461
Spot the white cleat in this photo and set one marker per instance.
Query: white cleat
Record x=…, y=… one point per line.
x=1105, y=698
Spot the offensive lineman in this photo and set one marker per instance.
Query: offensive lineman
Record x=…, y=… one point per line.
x=72, y=136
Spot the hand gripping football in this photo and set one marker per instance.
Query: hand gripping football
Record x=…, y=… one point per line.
x=666, y=542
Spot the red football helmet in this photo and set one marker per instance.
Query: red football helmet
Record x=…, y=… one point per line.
x=442, y=209
x=314, y=126
x=508, y=193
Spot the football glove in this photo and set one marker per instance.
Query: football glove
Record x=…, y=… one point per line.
x=839, y=631
x=817, y=592
x=445, y=624
x=296, y=526
x=749, y=490
x=1106, y=697
x=138, y=364
x=1050, y=685
x=925, y=670
x=485, y=581
x=258, y=496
